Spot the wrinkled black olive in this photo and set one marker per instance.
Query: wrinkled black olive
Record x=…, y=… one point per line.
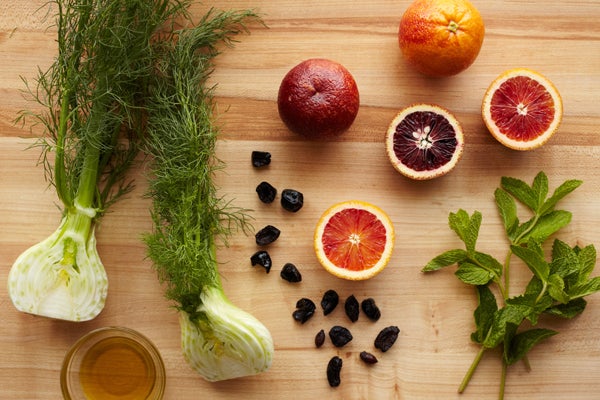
x=292, y=200
x=386, y=338
x=290, y=273
x=261, y=158
x=266, y=192
x=368, y=358
x=305, y=309
x=330, y=301
x=370, y=309
x=352, y=308
x=267, y=235
x=263, y=259
x=320, y=338
x=340, y=336
x=334, y=367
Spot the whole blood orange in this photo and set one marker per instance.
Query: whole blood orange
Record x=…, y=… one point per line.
x=318, y=98
x=424, y=141
x=441, y=37
x=522, y=109
x=354, y=240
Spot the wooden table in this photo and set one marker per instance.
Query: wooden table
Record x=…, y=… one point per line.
x=560, y=39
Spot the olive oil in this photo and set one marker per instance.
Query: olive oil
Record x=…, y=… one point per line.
x=117, y=368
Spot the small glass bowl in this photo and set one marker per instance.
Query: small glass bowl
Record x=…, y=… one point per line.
x=113, y=363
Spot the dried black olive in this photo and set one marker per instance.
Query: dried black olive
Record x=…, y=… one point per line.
x=370, y=309
x=263, y=259
x=368, y=358
x=261, y=158
x=290, y=273
x=266, y=192
x=334, y=367
x=267, y=235
x=292, y=200
x=386, y=338
x=340, y=336
x=330, y=301
x=320, y=338
x=305, y=309
x=352, y=308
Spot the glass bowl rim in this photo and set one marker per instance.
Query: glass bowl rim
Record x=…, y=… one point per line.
x=113, y=331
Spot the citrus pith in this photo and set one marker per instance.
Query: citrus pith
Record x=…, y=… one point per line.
x=354, y=240
x=441, y=37
x=424, y=141
x=522, y=109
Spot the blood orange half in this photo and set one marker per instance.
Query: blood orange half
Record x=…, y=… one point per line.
x=424, y=141
x=354, y=240
x=522, y=109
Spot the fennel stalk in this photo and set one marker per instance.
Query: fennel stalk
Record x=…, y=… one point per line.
x=219, y=340
x=91, y=116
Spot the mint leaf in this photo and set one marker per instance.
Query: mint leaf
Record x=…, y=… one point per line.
x=473, y=274
x=556, y=288
x=521, y=191
x=523, y=342
x=560, y=192
x=509, y=314
x=548, y=224
x=508, y=210
x=570, y=310
x=585, y=289
x=587, y=261
x=488, y=262
x=565, y=262
x=484, y=313
x=534, y=261
x=467, y=228
x=445, y=259
x=540, y=188
x=531, y=305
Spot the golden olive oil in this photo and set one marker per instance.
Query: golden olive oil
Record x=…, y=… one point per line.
x=117, y=368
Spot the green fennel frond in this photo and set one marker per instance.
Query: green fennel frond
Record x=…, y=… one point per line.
x=188, y=213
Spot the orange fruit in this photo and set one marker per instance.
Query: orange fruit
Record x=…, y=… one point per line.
x=424, y=141
x=354, y=240
x=441, y=37
x=318, y=98
x=522, y=109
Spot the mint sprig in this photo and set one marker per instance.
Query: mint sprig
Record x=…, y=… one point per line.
x=557, y=287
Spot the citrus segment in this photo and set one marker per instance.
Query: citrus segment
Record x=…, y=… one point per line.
x=354, y=240
x=424, y=141
x=522, y=109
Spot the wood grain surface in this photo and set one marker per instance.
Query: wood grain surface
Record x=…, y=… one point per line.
x=560, y=39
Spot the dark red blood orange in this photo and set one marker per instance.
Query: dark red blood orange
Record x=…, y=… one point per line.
x=318, y=98
x=424, y=141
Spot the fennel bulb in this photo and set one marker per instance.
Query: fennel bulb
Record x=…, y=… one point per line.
x=61, y=277
x=221, y=341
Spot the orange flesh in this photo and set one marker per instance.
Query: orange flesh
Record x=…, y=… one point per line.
x=354, y=239
x=522, y=108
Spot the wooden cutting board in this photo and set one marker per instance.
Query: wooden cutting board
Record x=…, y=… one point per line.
x=434, y=312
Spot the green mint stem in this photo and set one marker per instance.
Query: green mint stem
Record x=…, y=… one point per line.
x=471, y=371
x=502, y=381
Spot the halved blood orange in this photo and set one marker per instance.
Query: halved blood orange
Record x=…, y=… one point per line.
x=522, y=109
x=424, y=141
x=354, y=240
